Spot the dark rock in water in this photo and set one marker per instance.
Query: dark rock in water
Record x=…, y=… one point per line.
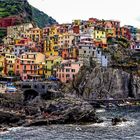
x=6, y=118
x=117, y=120
x=37, y=123
x=3, y=129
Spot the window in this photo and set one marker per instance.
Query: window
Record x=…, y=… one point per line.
x=73, y=70
x=67, y=75
x=67, y=70
x=73, y=76
x=84, y=51
x=24, y=67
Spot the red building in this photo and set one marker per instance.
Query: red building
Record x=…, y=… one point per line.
x=125, y=32
x=76, y=29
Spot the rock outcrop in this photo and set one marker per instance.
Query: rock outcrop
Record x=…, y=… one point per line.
x=63, y=110
x=101, y=83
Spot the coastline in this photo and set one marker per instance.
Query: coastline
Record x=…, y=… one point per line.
x=30, y=121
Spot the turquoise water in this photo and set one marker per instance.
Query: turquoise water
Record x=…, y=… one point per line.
x=129, y=130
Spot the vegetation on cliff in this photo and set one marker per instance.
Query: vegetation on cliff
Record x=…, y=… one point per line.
x=21, y=8
x=42, y=19
x=14, y=8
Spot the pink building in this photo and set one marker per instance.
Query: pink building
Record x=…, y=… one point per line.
x=68, y=70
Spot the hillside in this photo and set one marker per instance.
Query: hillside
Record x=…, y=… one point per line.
x=18, y=9
x=14, y=12
x=42, y=19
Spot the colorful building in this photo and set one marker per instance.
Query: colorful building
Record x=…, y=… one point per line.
x=36, y=34
x=2, y=65
x=68, y=70
x=10, y=60
x=100, y=34
x=30, y=66
x=51, y=63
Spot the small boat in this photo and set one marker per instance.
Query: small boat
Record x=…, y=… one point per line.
x=10, y=88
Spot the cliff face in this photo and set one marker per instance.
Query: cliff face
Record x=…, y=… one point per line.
x=106, y=83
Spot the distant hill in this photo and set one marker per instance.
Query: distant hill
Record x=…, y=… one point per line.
x=42, y=19
x=14, y=12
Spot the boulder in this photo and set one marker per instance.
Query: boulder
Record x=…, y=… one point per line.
x=117, y=120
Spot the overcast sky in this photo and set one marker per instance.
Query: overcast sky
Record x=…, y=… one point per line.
x=127, y=11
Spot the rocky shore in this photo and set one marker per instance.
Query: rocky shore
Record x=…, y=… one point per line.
x=63, y=110
x=69, y=106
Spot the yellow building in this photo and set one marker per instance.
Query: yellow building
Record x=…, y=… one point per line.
x=77, y=22
x=10, y=62
x=53, y=31
x=100, y=34
x=2, y=64
x=51, y=46
x=51, y=63
x=36, y=34
x=40, y=63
